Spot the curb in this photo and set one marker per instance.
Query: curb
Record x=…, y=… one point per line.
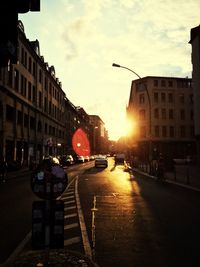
x=168, y=181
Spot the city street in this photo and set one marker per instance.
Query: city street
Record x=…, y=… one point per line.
x=136, y=221
x=131, y=219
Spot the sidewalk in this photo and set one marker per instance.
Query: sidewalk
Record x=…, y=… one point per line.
x=187, y=176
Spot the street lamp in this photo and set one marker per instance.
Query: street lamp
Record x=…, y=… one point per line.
x=149, y=101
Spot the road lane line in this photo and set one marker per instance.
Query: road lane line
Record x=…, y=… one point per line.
x=86, y=243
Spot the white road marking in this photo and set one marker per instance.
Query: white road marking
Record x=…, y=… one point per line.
x=70, y=215
x=86, y=243
x=70, y=226
x=70, y=208
x=69, y=202
x=72, y=241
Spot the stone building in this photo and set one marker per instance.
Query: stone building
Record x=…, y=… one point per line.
x=195, y=43
x=36, y=117
x=161, y=110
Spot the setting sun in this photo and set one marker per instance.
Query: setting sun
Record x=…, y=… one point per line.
x=125, y=127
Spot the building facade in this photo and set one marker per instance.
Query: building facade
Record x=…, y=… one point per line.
x=36, y=117
x=161, y=110
x=195, y=43
x=99, y=135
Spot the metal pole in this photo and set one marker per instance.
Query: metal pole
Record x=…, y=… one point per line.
x=149, y=101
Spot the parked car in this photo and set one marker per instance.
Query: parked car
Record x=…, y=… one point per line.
x=80, y=159
x=101, y=161
x=67, y=160
x=87, y=158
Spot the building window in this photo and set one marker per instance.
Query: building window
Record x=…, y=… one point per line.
x=192, y=131
x=45, y=83
x=157, y=133
x=142, y=114
x=163, y=83
x=164, y=131
x=170, y=83
x=182, y=131
x=163, y=112
x=170, y=98
x=40, y=76
x=34, y=94
x=30, y=65
x=39, y=126
x=16, y=80
x=25, y=59
x=182, y=114
x=50, y=89
x=45, y=104
x=29, y=91
x=19, y=117
x=163, y=97
x=45, y=128
x=141, y=98
x=191, y=115
x=40, y=99
x=155, y=83
x=156, y=97
x=34, y=69
x=171, y=131
x=142, y=131
x=32, y=123
x=10, y=113
x=191, y=99
x=26, y=120
x=156, y=113
x=171, y=114
x=22, y=55
x=181, y=98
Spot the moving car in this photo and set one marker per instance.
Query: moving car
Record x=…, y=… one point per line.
x=101, y=161
x=119, y=158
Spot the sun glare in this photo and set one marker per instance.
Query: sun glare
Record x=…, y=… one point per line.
x=124, y=129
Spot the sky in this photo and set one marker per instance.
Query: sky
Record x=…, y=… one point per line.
x=82, y=38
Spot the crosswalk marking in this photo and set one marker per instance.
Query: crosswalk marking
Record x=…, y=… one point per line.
x=68, y=197
x=69, y=202
x=70, y=226
x=68, y=193
x=72, y=240
x=70, y=208
x=70, y=215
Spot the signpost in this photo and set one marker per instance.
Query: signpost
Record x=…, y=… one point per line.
x=48, y=183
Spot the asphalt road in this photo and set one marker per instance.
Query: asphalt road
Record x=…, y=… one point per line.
x=131, y=220
x=137, y=221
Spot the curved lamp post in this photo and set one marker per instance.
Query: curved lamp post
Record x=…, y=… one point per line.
x=149, y=101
